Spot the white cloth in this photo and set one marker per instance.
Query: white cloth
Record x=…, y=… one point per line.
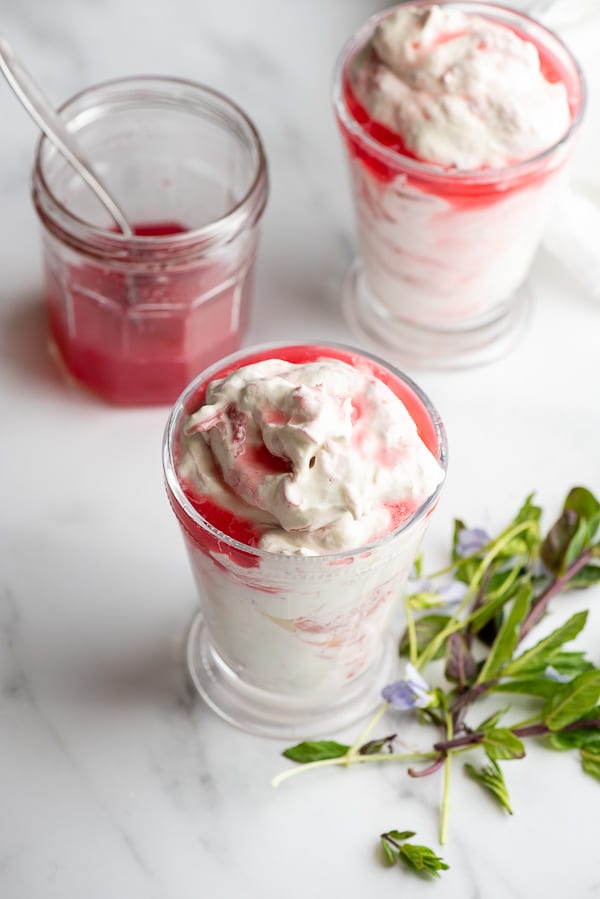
x=573, y=235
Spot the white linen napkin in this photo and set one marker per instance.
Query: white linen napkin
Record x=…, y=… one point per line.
x=573, y=235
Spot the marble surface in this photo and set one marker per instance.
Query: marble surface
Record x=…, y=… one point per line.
x=115, y=780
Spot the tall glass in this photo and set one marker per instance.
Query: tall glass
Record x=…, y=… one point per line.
x=444, y=253
x=288, y=645
x=135, y=318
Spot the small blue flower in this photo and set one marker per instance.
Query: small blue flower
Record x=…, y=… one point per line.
x=452, y=592
x=412, y=692
x=555, y=675
x=420, y=585
x=471, y=540
x=425, y=594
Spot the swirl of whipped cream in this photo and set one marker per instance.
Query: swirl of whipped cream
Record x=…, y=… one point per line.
x=459, y=89
x=320, y=454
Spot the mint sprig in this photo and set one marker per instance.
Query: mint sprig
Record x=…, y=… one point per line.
x=420, y=859
x=475, y=613
x=491, y=778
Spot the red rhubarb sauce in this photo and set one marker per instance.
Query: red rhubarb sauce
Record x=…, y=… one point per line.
x=137, y=336
x=247, y=532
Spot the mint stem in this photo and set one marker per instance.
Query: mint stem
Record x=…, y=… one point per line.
x=535, y=614
x=431, y=769
x=446, y=792
x=539, y=606
x=469, y=696
x=531, y=730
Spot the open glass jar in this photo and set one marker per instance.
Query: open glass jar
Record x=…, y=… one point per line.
x=135, y=318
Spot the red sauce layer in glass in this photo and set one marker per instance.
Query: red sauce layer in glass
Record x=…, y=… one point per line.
x=245, y=531
x=138, y=339
x=463, y=193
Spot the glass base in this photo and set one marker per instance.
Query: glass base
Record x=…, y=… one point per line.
x=281, y=715
x=411, y=344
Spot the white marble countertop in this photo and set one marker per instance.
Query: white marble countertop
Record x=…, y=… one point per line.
x=115, y=781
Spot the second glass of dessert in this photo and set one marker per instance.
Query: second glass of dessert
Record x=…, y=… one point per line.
x=458, y=120
x=303, y=478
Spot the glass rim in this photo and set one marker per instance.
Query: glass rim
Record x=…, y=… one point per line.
x=432, y=170
x=178, y=494
x=219, y=230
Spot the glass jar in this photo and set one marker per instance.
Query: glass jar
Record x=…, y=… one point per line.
x=135, y=318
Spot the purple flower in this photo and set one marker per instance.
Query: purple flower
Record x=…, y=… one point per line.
x=421, y=585
x=424, y=594
x=452, y=592
x=412, y=692
x=471, y=540
x=555, y=675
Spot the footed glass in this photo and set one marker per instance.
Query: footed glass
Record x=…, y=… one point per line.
x=292, y=645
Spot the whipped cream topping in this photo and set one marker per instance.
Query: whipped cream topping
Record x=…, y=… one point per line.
x=320, y=455
x=459, y=89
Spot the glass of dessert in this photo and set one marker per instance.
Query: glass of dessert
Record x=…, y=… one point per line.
x=303, y=478
x=135, y=318
x=457, y=120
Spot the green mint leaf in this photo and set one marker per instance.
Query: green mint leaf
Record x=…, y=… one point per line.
x=422, y=859
x=565, y=663
x=590, y=762
x=537, y=682
x=458, y=527
x=572, y=700
x=489, y=631
x=400, y=835
x=501, y=581
x=556, y=545
x=492, y=720
x=528, y=541
x=542, y=651
x=528, y=511
x=491, y=778
x=577, y=738
x=543, y=687
x=508, y=637
x=585, y=577
x=488, y=611
x=516, y=547
x=426, y=628
x=579, y=541
x=501, y=743
x=582, y=501
x=461, y=667
x=315, y=751
x=390, y=854
x=466, y=569
x=375, y=746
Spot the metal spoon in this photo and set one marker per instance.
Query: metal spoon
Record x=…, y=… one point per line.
x=45, y=116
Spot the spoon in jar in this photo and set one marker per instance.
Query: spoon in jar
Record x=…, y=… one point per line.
x=49, y=121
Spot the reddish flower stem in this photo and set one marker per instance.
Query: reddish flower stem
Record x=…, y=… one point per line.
x=531, y=730
x=541, y=603
x=431, y=769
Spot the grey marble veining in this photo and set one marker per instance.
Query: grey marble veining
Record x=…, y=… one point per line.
x=115, y=779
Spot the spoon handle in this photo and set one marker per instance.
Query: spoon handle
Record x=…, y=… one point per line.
x=48, y=120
